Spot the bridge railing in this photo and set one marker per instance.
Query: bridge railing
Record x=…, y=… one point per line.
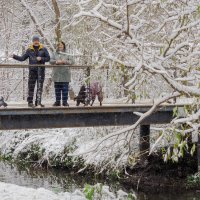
x=9, y=66
x=14, y=81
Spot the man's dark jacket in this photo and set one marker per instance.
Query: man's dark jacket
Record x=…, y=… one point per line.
x=32, y=55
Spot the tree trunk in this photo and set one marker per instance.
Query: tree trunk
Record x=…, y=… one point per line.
x=58, y=26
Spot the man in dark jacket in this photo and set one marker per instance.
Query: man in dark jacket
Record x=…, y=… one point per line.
x=37, y=54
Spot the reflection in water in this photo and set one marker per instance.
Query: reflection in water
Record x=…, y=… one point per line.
x=61, y=181
x=36, y=178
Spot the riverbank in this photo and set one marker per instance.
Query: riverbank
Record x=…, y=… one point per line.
x=158, y=176
x=154, y=175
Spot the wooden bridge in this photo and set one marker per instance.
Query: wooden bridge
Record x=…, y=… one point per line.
x=22, y=117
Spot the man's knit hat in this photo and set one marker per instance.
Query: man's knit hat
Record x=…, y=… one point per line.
x=36, y=37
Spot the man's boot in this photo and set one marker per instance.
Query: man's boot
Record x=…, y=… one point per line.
x=39, y=105
x=31, y=105
x=56, y=104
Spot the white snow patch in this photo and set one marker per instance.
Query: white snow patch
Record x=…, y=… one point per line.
x=14, y=192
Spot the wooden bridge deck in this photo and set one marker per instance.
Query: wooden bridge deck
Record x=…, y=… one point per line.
x=21, y=117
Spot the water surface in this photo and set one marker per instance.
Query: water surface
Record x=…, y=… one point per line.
x=59, y=180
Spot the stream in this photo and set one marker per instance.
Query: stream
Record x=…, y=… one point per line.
x=59, y=180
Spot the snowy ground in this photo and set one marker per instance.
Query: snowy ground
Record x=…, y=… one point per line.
x=52, y=145
x=14, y=192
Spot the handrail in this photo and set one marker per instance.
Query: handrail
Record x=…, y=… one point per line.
x=40, y=65
x=50, y=66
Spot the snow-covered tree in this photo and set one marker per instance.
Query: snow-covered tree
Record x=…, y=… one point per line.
x=158, y=42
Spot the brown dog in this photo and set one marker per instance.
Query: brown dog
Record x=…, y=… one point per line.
x=96, y=90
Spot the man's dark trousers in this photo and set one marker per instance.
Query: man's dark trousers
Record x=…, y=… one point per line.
x=36, y=74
